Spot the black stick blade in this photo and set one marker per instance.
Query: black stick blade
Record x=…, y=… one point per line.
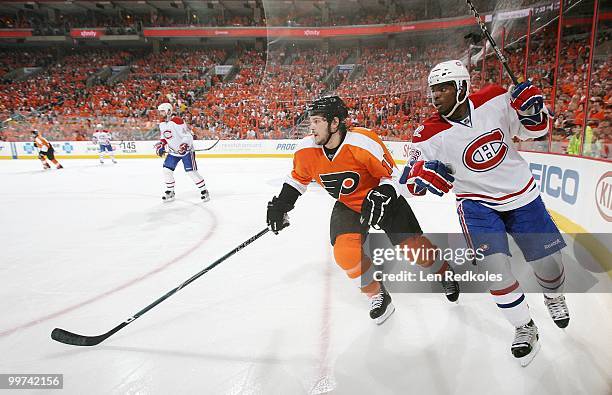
x=74, y=339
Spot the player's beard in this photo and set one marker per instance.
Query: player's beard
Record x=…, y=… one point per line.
x=444, y=109
x=324, y=140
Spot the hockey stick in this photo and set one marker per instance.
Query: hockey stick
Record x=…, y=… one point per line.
x=498, y=52
x=14, y=117
x=209, y=148
x=198, y=150
x=33, y=111
x=74, y=339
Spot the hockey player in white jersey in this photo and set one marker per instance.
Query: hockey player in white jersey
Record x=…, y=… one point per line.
x=468, y=146
x=177, y=141
x=103, y=139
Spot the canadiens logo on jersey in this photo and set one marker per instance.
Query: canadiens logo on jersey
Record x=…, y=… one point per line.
x=413, y=155
x=342, y=183
x=167, y=134
x=485, y=152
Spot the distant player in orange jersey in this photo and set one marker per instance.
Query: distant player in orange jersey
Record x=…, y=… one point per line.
x=45, y=150
x=357, y=170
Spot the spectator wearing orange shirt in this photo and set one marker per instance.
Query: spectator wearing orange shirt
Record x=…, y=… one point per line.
x=596, y=111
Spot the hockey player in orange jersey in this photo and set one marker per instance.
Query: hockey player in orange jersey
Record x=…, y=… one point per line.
x=45, y=150
x=357, y=170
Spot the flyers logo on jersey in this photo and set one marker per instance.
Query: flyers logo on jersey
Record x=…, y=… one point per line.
x=485, y=152
x=342, y=183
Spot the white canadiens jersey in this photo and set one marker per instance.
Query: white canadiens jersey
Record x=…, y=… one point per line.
x=175, y=132
x=487, y=168
x=102, y=137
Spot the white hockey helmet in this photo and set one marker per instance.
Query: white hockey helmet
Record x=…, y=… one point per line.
x=451, y=71
x=165, y=109
x=99, y=126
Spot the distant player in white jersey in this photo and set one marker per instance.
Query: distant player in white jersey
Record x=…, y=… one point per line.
x=103, y=138
x=468, y=146
x=177, y=141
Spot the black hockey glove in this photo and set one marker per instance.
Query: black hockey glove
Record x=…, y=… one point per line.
x=276, y=217
x=376, y=205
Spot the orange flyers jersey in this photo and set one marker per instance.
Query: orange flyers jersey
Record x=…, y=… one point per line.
x=361, y=163
x=42, y=143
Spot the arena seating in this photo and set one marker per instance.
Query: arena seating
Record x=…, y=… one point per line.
x=267, y=90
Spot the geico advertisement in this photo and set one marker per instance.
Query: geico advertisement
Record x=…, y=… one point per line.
x=557, y=182
x=578, y=188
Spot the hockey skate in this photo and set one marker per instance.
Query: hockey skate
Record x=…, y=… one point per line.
x=46, y=166
x=168, y=196
x=380, y=306
x=451, y=287
x=205, y=196
x=526, y=343
x=60, y=167
x=557, y=308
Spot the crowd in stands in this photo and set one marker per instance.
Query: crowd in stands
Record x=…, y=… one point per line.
x=135, y=22
x=61, y=97
x=121, y=21
x=361, y=17
x=269, y=16
x=264, y=93
x=571, y=101
x=39, y=23
x=61, y=85
x=186, y=62
x=390, y=95
x=11, y=59
x=20, y=21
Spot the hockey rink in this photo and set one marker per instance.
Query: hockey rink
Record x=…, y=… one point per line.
x=86, y=247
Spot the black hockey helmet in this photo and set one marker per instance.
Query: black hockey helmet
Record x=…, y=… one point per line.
x=329, y=107
x=35, y=132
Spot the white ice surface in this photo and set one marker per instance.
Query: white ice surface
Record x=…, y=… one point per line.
x=85, y=247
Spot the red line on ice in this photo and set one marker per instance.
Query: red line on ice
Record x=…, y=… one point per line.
x=47, y=317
